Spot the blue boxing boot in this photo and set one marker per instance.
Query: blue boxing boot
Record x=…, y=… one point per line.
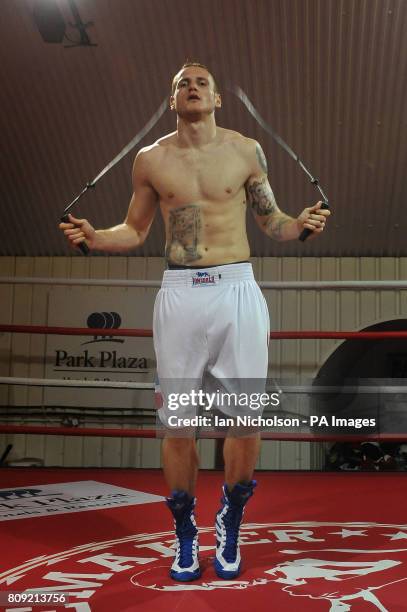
x=186, y=565
x=228, y=519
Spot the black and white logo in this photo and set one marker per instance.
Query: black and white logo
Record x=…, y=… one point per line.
x=104, y=320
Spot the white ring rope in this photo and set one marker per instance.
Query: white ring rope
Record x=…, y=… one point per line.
x=52, y=382
x=109, y=282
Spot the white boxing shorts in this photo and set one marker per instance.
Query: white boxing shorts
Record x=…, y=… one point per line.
x=211, y=329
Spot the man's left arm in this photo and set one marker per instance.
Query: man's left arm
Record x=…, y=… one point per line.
x=270, y=219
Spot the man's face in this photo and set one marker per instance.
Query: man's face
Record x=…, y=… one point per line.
x=194, y=93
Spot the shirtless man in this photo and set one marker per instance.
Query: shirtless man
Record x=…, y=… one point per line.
x=203, y=178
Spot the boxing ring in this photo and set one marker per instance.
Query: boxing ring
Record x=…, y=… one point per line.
x=101, y=538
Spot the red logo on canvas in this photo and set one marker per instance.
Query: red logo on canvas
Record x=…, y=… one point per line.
x=330, y=566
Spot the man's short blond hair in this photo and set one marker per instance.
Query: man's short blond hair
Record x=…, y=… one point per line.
x=189, y=64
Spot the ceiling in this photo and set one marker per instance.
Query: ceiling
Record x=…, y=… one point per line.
x=330, y=77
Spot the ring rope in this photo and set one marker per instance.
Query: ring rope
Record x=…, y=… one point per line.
x=55, y=382
x=294, y=285
x=152, y=433
x=148, y=333
x=110, y=384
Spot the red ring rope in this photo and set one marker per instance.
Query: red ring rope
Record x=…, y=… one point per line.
x=147, y=333
x=152, y=433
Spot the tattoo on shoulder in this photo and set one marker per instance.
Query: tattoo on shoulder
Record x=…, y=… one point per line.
x=261, y=158
x=184, y=228
x=261, y=197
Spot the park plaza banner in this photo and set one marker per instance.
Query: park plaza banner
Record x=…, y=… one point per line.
x=99, y=357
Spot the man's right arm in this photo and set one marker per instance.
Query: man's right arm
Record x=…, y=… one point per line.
x=134, y=230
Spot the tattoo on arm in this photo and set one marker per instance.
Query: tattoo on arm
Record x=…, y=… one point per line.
x=261, y=197
x=263, y=203
x=184, y=226
x=275, y=230
x=261, y=158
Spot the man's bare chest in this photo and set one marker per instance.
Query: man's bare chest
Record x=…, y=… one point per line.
x=183, y=178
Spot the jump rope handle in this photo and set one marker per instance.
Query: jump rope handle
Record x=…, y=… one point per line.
x=82, y=246
x=306, y=232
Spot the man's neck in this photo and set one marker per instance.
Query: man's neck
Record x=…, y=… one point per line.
x=196, y=134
